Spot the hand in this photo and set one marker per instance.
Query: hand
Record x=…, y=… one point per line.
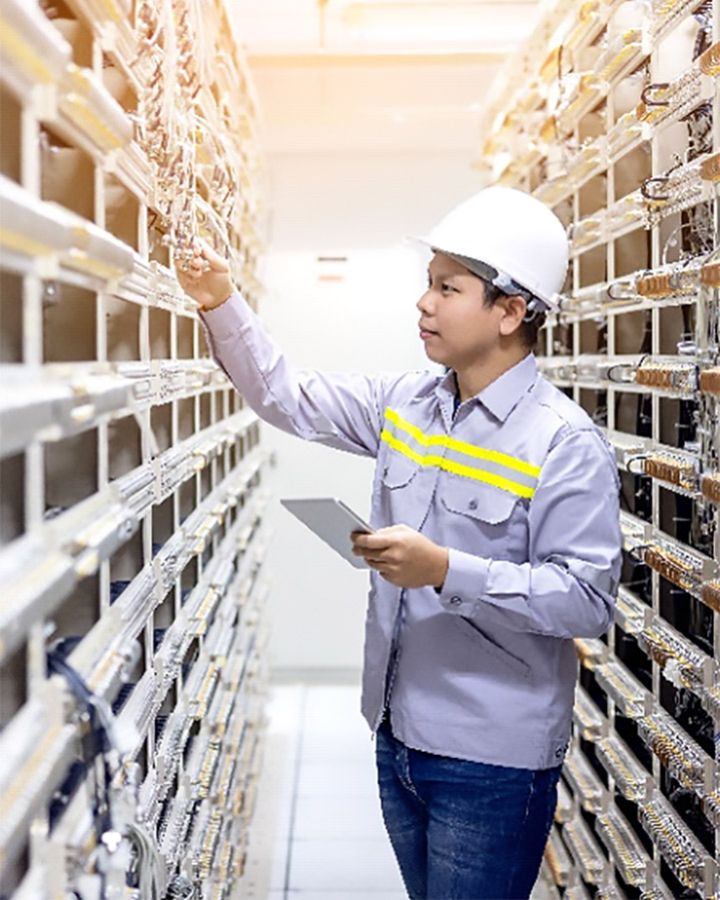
x=403, y=556
x=207, y=278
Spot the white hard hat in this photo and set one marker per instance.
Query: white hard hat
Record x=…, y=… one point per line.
x=512, y=232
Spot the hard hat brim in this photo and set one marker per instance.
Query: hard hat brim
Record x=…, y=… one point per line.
x=551, y=303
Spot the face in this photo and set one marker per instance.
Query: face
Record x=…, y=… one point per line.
x=458, y=330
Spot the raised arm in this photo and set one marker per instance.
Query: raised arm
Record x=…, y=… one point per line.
x=342, y=410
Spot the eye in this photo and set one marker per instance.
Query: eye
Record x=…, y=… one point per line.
x=448, y=288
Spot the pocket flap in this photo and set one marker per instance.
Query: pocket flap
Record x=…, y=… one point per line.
x=398, y=470
x=477, y=500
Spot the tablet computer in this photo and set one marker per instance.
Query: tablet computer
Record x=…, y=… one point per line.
x=332, y=521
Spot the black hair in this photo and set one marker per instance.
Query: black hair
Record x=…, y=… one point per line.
x=536, y=313
x=533, y=321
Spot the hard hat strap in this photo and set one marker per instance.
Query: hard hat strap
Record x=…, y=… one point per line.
x=535, y=308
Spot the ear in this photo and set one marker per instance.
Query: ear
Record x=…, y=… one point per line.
x=515, y=309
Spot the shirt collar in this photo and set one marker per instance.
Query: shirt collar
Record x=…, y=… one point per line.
x=502, y=395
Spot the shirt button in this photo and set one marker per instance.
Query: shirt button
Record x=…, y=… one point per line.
x=455, y=601
x=385, y=471
x=473, y=504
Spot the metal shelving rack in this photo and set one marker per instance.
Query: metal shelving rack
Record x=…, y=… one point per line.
x=131, y=638
x=617, y=128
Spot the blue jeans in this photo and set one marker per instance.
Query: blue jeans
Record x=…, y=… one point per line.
x=463, y=830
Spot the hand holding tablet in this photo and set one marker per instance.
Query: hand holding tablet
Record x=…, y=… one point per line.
x=332, y=521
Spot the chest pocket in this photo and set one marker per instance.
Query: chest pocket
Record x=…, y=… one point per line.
x=484, y=519
x=398, y=470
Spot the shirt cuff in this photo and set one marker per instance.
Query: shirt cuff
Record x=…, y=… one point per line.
x=465, y=582
x=228, y=319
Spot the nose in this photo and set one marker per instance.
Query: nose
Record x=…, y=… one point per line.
x=425, y=303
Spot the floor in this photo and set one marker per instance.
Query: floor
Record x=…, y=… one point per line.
x=318, y=831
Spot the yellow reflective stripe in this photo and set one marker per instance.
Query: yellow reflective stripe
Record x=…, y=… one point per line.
x=510, y=462
x=456, y=468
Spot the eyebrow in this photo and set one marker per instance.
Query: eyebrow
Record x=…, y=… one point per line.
x=443, y=275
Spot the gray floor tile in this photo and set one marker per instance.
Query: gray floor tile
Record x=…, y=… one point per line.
x=338, y=818
x=337, y=866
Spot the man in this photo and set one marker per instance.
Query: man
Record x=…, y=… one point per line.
x=495, y=500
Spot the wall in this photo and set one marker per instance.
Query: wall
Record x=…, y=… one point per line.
x=367, y=324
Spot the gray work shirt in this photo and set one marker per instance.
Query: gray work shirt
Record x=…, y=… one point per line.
x=521, y=487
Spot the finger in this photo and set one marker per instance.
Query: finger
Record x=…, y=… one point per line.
x=359, y=551
x=370, y=541
x=380, y=564
x=366, y=554
x=376, y=556
x=216, y=262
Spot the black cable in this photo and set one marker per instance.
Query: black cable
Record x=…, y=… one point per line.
x=99, y=742
x=639, y=458
x=639, y=548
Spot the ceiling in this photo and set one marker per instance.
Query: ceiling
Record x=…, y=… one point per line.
x=376, y=76
x=384, y=25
